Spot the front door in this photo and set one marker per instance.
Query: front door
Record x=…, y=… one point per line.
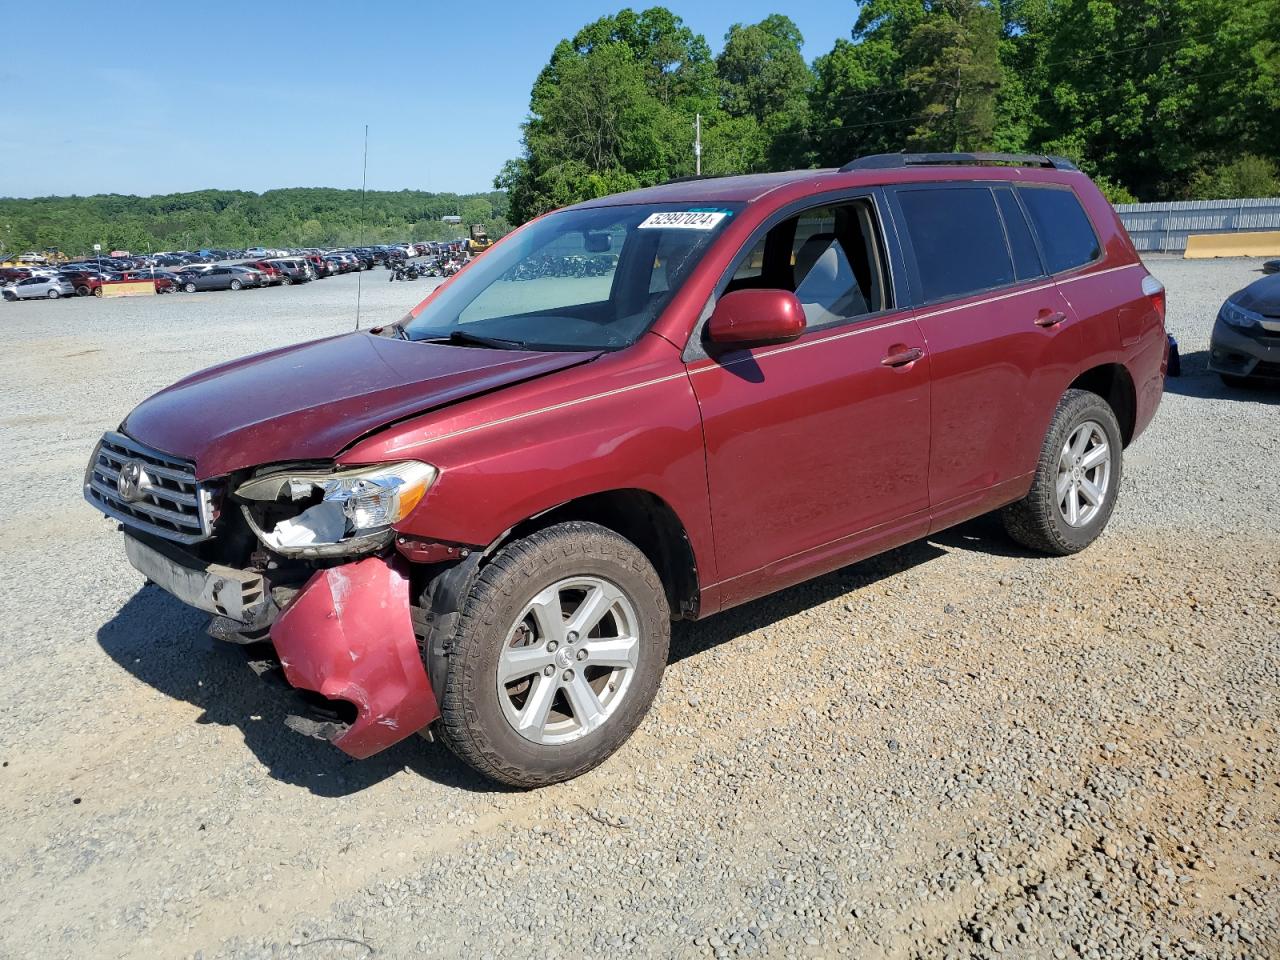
x=817, y=450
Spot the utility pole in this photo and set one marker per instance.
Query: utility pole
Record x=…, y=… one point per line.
x=697, y=143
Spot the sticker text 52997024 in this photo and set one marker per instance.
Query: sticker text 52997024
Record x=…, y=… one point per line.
x=683, y=220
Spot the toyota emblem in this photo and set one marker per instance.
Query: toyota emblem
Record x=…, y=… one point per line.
x=133, y=481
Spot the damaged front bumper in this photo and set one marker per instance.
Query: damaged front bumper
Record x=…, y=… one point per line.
x=346, y=635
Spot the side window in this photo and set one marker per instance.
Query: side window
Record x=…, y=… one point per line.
x=958, y=240
x=1063, y=227
x=1026, y=259
x=830, y=257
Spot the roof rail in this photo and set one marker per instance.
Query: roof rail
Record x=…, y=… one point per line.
x=885, y=161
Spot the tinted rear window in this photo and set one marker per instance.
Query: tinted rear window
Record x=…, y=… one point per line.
x=958, y=239
x=1026, y=259
x=1066, y=235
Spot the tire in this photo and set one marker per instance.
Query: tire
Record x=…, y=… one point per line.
x=10, y=296
x=189, y=287
x=1234, y=381
x=1039, y=520
x=53, y=294
x=286, y=281
x=97, y=291
x=82, y=290
x=478, y=719
x=236, y=285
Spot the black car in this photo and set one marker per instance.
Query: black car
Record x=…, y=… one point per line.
x=1245, y=343
x=1271, y=266
x=218, y=278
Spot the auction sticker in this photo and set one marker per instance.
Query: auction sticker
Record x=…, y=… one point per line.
x=683, y=220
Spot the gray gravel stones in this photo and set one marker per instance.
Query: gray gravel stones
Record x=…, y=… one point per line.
x=955, y=750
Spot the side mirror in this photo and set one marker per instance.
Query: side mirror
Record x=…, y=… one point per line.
x=747, y=317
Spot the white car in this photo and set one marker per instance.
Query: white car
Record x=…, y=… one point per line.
x=36, y=287
x=256, y=253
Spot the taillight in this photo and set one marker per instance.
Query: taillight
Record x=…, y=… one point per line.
x=1153, y=290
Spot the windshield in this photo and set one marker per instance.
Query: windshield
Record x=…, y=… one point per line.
x=591, y=279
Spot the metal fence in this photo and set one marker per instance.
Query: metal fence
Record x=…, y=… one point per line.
x=1164, y=227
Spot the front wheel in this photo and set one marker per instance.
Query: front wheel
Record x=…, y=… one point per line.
x=82, y=290
x=189, y=287
x=1077, y=478
x=53, y=294
x=286, y=281
x=1235, y=381
x=557, y=655
x=236, y=284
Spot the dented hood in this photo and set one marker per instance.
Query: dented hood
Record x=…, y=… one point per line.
x=312, y=400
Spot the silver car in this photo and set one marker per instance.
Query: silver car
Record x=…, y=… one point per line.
x=39, y=287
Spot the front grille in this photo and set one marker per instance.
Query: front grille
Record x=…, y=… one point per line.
x=164, y=498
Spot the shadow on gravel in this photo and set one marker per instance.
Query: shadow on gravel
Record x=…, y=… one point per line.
x=162, y=642
x=691, y=639
x=1196, y=381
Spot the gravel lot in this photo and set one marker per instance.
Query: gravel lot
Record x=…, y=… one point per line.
x=956, y=749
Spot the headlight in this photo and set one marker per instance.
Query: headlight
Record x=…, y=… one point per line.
x=1235, y=315
x=333, y=512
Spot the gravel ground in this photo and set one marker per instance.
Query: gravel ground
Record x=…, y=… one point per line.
x=953, y=750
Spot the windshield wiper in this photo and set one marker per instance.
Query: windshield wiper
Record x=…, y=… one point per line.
x=464, y=337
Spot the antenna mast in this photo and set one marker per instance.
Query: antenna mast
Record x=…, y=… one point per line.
x=364, y=182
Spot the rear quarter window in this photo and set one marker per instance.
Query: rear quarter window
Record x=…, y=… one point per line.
x=958, y=238
x=1066, y=235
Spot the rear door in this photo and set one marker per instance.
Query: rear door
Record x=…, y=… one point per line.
x=995, y=327
x=817, y=450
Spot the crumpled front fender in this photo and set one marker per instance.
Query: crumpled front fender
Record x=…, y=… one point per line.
x=348, y=635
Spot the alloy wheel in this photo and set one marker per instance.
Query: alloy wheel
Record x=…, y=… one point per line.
x=568, y=661
x=1084, y=474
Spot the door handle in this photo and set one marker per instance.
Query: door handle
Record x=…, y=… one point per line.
x=901, y=356
x=1050, y=318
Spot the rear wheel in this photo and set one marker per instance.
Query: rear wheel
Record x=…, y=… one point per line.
x=97, y=291
x=557, y=655
x=286, y=281
x=235, y=284
x=82, y=290
x=1077, y=478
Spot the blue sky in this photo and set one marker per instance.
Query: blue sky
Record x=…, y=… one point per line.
x=250, y=96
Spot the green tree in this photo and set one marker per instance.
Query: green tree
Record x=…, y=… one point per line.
x=764, y=79
x=952, y=60
x=612, y=110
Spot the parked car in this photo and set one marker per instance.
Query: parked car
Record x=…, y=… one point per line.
x=1271, y=266
x=486, y=516
x=257, y=253
x=271, y=274
x=165, y=282
x=86, y=282
x=35, y=287
x=219, y=278
x=1245, y=343
x=293, y=270
x=14, y=274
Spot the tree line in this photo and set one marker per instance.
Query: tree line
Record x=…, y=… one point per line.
x=1156, y=99
x=298, y=217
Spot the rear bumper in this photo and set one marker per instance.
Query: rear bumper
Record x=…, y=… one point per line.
x=346, y=635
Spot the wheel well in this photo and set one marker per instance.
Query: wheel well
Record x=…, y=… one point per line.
x=648, y=522
x=1112, y=382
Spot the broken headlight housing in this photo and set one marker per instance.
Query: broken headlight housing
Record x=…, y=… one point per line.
x=337, y=512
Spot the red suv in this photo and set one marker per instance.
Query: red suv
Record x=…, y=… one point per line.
x=482, y=519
